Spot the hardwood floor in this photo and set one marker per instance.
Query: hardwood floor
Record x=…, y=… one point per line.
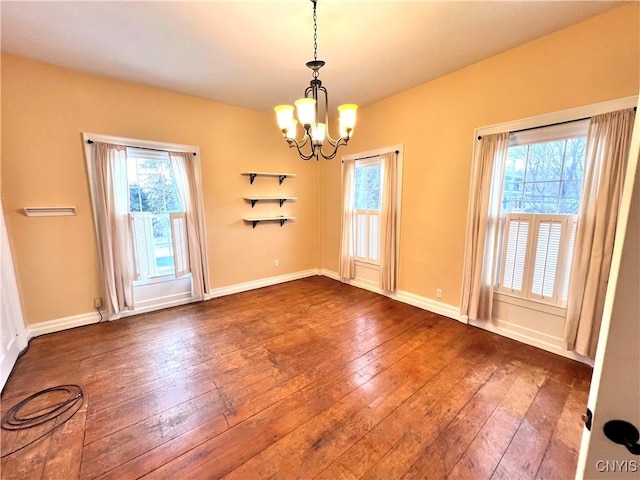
x=308, y=379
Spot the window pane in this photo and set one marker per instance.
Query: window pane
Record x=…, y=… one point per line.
x=162, y=246
x=159, y=192
x=513, y=178
x=153, y=189
x=367, y=191
x=373, y=187
x=574, y=159
x=544, y=177
x=135, y=199
x=570, y=197
x=541, y=197
x=545, y=161
x=361, y=188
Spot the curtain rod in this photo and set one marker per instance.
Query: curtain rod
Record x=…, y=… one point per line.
x=550, y=125
x=145, y=148
x=370, y=156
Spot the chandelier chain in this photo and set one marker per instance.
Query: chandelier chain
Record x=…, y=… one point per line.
x=315, y=37
x=315, y=101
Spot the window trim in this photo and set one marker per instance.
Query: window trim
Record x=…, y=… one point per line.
x=544, y=119
x=399, y=148
x=139, y=143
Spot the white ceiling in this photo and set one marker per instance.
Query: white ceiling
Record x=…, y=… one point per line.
x=252, y=53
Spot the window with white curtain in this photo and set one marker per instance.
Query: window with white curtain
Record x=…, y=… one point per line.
x=541, y=191
x=367, y=206
x=157, y=216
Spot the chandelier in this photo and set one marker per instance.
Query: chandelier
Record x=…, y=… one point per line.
x=315, y=133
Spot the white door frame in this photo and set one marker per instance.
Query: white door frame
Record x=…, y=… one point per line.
x=615, y=383
x=13, y=332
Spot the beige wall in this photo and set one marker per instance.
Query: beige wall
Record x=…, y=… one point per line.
x=45, y=108
x=44, y=111
x=590, y=62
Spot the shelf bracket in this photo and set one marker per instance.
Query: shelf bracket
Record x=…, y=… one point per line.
x=252, y=177
x=282, y=200
x=283, y=221
x=253, y=202
x=254, y=223
x=281, y=179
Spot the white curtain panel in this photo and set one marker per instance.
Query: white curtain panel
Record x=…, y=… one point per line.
x=347, y=265
x=184, y=168
x=114, y=226
x=482, y=230
x=606, y=155
x=388, y=222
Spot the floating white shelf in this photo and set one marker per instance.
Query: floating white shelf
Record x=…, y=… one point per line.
x=255, y=200
x=255, y=220
x=49, y=211
x=281, y=176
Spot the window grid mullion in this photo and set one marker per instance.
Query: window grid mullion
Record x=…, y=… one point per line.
x=564, y=159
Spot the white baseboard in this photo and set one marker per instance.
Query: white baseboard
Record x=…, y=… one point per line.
x=64, y=323
x=530, y=337
x=263, y=282
x=506, y=329
x=168, y=301
x=89, y=318
x=424, y=303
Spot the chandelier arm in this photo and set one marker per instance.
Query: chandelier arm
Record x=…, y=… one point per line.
x=332, y=141
x=340, y=142
x=294, y=143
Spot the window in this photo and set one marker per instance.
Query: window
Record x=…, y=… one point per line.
x=541, y=191
x=157, y=215
x=367, y=210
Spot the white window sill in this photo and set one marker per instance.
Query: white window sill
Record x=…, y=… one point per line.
x=159, y=279
x=365, y=264
x=530, y=304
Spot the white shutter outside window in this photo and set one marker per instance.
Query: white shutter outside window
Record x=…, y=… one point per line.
x=178, y=221
x=142, y=229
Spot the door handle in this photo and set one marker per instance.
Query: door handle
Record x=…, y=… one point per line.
x=623, y=433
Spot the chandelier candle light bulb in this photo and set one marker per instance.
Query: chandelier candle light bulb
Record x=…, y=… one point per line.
x=315, y=132
x=347, y=119
x=318, y=131
x=291, y=130
x=306, y=110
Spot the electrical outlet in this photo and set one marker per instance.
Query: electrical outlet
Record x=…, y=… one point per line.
x=438, y=292
x=276, y=263
x=97, y=302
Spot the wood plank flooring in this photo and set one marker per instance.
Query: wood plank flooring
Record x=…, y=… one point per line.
x=307, y=379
